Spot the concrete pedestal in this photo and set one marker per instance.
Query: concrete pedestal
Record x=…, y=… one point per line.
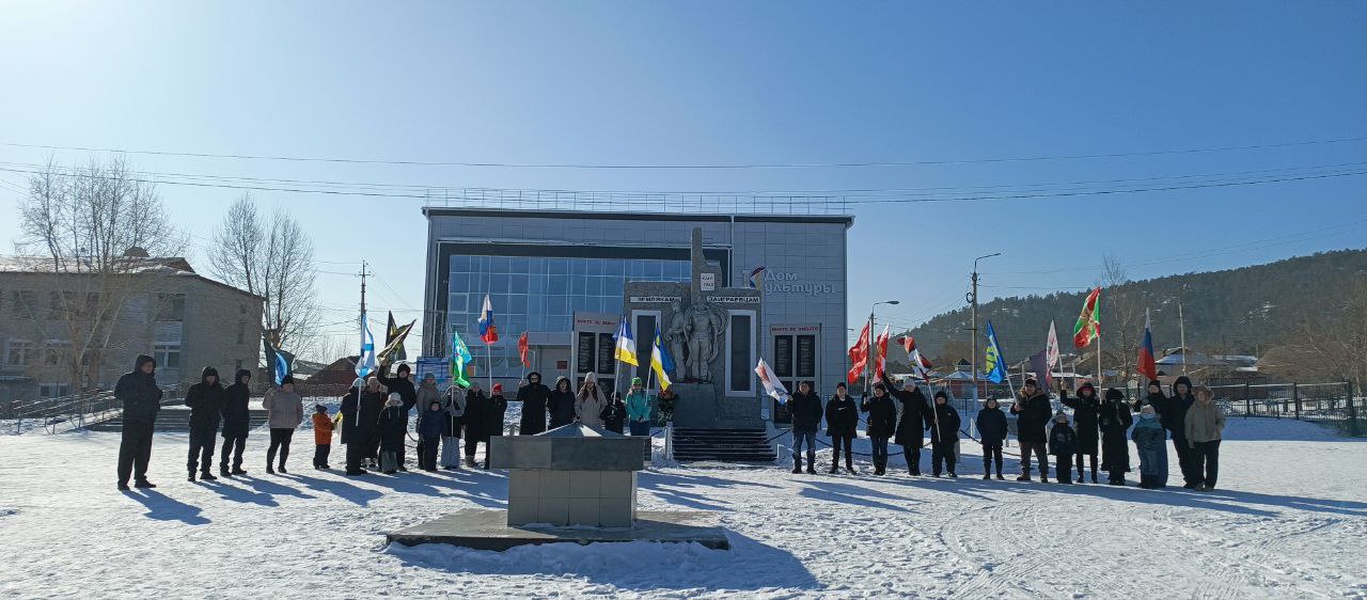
x=484, y=529
x=571, y=475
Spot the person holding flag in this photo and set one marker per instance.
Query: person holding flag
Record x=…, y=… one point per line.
x=911, y=426
x=1033, y=411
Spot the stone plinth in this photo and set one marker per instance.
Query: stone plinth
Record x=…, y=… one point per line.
x=484, y=529
x=571, y=475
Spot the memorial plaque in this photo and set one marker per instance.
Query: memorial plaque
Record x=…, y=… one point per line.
x=783, y=356
x=806, y=356
x=606, y=346
x=586, y=352
x=708, y=283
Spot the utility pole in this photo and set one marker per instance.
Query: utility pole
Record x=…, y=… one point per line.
x=1182, y=328
x=365, y=272
x=973, y=303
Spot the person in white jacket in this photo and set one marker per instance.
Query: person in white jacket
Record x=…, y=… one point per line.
x=285, y=411
x=590, y=402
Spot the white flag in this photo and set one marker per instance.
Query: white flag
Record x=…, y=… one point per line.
x=1051, y=354
x=772, y=386
x=366, y=363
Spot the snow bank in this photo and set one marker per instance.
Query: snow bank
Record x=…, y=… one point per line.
x=1289, y=521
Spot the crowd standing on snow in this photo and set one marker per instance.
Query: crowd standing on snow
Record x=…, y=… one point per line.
x=374, y=421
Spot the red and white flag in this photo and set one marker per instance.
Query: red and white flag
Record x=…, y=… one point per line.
x=859, y=356
x=1051, y=351
x=772, y=386
x=920, y=365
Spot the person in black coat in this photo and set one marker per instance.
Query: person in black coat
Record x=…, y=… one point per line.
x=401, y=384
x=355, y=431
x=393, y=428
x=1033, y=410
x=372, y=400
x=842, y=424
x=1086, y=410
x=476, y=404
x=1062, y=443
x=911, y=425
x=1115, y=420
x=882, y=424
x=614, y=415
x=1154, y=398
x=992, y=431
x=561, y=403
x=944, y=435
x=534, y=397
x=432, y=424
x=493, y=419
x=237, y=417
x=141, y=399
x=805, y=406
x=1173, y=415
x=205, y=400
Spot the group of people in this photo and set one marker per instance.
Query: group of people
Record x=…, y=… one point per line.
x=373, y=419
x=1101, y=426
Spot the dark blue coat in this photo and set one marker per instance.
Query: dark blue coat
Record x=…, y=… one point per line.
x=139, y=393
x=992, y=426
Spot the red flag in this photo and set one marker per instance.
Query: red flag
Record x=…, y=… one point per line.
x=859, y=355
x=880, y=366
x=908, y=343
x=523, y=349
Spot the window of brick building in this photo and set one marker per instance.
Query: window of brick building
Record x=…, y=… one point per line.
x=170, y=307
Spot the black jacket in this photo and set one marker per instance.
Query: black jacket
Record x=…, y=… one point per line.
x=944, y=426
x=432, y=423
x=842, y=417
x=806, y=411
x=494, y=408
x=991, y=426
x=371, y=404
x=1032, y=414
x=206, y=403
x=882, y=420
x=533, y=397
x=1085, y=414
x=1115, y=422
x=1062, y=440
x=237, y=415
x=614, y=416
x=393, y=428
x=916, y=411
x=403, y=386
x=139, y=393
x=352, y=430
x=1175, y=407
x=561, y=405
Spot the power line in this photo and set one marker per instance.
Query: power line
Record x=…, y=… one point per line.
x=612, y=166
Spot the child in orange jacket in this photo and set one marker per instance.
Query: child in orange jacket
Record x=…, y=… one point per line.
x=322, y=437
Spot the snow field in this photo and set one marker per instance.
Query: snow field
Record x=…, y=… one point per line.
x=1289, y=521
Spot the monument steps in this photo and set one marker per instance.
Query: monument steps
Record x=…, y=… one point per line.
x=722, y=445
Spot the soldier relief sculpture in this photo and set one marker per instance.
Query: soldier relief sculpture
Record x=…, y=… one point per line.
x=694, y=333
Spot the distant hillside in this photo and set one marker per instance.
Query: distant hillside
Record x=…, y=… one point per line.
x=1239, y=311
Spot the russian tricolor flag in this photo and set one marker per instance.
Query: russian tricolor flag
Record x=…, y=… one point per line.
x=1145, y=365
x=487, y=330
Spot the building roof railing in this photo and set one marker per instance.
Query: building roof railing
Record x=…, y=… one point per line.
x=638, y=202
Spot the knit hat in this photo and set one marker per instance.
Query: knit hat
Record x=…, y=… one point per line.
x=941, y=394
x=1031, y=381
x=403, y=368
x=288, y=380
x=839, y=385
x=1086, y=386
x=429, y=377
x=320, y=408
x=1114, y=394
x=1060, y=417
x=498, y=388
x=636, y=381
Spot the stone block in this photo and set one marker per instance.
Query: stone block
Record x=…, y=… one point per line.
x=555, y=484
x=617, y=484
x=523, y=483
x=586, y=484
x=616, y=512
x=555, y=511
x=583, y=511
x=523, y=509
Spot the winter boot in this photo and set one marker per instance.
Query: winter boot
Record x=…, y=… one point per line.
x=1043, y=478
x=144, y=484
x=835, y=467
x=797, y=465
x=282, y=469
x=223, y=470
x=999, y=475
x=205, y=475
x=191, y=478
x=849, y=465
x=239, y=471
x=811, y=465
x=269, y=469
x=987, y=476
x=1024, y=476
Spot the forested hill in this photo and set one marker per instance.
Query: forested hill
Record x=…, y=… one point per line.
x=1239, y=311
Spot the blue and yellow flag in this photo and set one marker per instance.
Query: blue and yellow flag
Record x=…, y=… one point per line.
x=626, y=345
x=996, y=363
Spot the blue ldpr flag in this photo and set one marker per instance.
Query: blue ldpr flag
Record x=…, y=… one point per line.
x=996, y=363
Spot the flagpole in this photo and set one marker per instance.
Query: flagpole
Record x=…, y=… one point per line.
x=489, y=351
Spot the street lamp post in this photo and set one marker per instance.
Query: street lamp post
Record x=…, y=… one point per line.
x=869, y=366
x=973, y=302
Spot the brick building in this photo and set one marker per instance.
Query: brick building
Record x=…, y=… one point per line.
x=157, y=306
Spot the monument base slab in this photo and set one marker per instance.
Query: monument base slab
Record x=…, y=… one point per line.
x=485, y=529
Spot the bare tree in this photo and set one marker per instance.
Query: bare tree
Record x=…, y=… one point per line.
x=273, y=260
x=1122, y=314
x=90, y=231
x=1328, y=339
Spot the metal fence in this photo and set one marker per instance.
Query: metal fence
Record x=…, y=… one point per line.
x=1328, y=403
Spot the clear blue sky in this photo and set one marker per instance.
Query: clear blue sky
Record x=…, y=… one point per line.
x=751, y=82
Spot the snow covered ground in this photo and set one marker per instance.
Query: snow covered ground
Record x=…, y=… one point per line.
x=1289, y=522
